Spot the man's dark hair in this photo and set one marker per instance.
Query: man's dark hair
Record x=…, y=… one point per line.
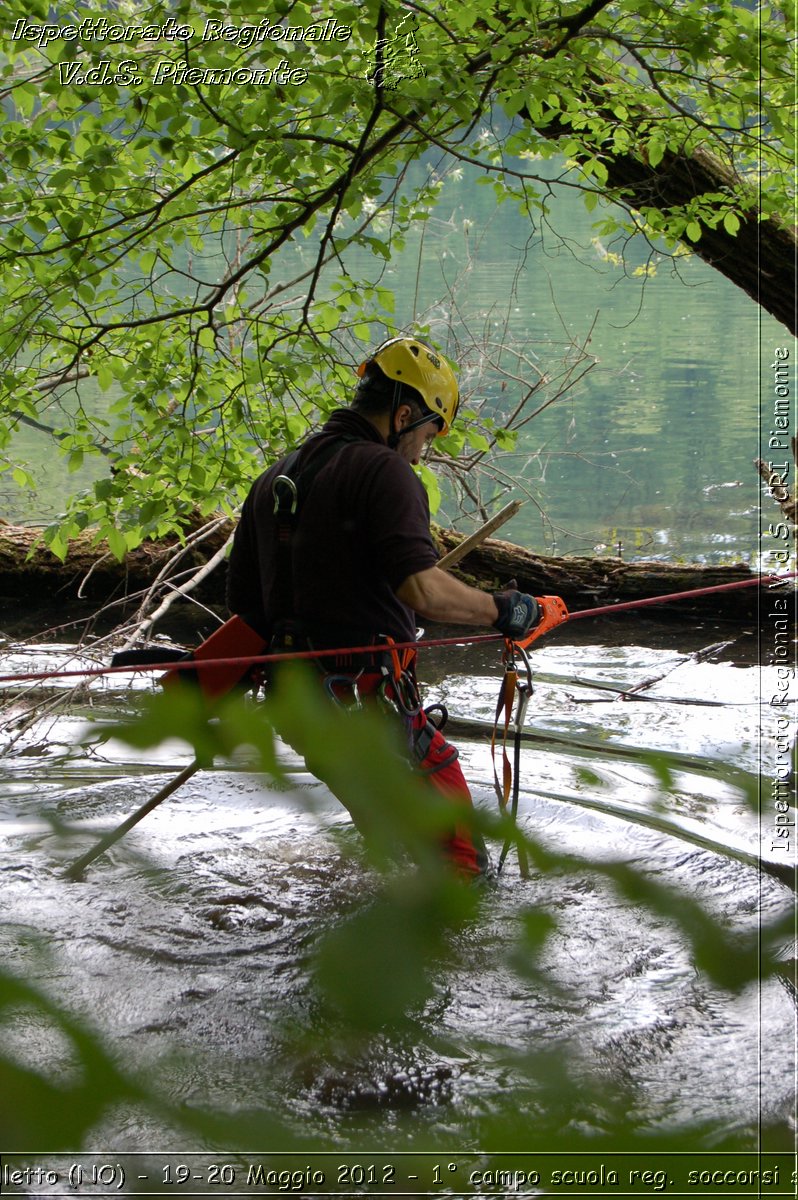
x=375, y=394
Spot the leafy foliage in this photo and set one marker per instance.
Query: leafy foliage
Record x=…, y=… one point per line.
x=196, y=227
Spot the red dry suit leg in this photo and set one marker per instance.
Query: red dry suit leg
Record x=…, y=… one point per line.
x=441, y=768
x=428, y=754
x=437, y=761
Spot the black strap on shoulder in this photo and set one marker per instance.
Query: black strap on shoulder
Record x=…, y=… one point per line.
x=290, y=489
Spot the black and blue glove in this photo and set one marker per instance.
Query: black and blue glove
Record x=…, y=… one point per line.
x=518, y=614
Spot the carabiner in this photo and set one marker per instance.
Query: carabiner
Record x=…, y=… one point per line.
x=287, y=480
x=332, y=684
x=519, y=652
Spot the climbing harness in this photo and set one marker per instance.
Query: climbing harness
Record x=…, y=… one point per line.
x=398, y=690
x=289, y=491
x=395, y=683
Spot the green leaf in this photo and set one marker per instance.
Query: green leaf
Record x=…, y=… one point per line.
x=56, y=541
x=430, y=481
x=478, y=441
x=117, y=543
x=104, y=375
x=22, y=478
x=656, y=152
x=506, y=439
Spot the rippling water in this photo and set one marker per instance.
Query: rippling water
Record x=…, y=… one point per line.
x=188, y=946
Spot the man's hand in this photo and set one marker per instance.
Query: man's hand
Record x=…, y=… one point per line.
x=518, y=613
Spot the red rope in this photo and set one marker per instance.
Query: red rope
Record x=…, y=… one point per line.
x=475, y=639
x=706, y=591
x=252, y=659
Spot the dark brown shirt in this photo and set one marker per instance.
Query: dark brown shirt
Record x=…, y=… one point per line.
x=363, y=528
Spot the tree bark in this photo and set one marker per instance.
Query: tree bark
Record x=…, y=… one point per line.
x=760, y=258
x=30, y=574
x=32, y=577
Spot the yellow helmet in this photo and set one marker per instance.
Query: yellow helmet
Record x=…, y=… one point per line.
x=410, y=361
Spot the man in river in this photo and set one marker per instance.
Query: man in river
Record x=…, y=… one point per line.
x=333, y=549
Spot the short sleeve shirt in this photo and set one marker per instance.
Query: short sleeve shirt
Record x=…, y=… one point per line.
x=363, y=528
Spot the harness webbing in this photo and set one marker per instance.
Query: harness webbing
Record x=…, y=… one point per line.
x=290, y=490
x=514, y=688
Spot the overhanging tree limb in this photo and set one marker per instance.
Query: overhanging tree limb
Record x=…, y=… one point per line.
x=760, y=257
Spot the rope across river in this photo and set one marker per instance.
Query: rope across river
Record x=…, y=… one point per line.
x=554, y=613
x=190, y=664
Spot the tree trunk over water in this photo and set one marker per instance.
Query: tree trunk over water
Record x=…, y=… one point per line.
x=593, y=582
x=759, y=258
x=31, y=577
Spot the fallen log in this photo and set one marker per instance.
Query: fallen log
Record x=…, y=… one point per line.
x=584, y=582
x=32, y=577
x=30, y=574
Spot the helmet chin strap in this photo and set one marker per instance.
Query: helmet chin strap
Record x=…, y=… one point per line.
x=395, y=435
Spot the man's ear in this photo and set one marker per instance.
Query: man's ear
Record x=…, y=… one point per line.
x=402, y=416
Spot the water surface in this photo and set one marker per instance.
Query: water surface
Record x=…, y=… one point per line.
x=188, y=947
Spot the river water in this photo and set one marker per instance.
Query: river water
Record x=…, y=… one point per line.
x=188, y=949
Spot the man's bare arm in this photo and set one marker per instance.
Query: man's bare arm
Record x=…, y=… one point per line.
x=437, y=596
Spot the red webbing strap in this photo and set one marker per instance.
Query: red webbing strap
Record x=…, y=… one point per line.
x=504, y=704
x=508, y=790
